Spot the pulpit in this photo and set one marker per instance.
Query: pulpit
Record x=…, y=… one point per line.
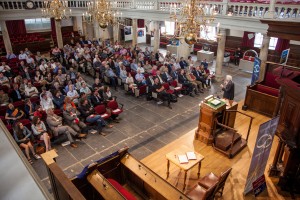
x=210, y=109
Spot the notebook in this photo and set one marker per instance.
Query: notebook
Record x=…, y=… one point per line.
x=183, y=159
x=191, y=155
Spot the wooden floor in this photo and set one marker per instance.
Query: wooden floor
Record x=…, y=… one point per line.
x=216, y=162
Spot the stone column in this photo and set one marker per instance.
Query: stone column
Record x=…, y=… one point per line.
x=184, y=50
x=84, y=28
x=96, y=30
x=75, y=25
x=156, y=41
x=220, y=54
x=271, y=14
x=134, y=32
x=59, y=38
x=263, y=56
x=5, y=35
x=116, y=31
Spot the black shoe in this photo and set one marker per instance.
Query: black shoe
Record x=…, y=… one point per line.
x=169, y=106
x=191, y=95
x=201, y=91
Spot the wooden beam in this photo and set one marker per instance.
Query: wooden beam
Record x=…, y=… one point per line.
x=283, y=29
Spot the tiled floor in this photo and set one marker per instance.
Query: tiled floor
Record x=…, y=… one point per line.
x=145, y=127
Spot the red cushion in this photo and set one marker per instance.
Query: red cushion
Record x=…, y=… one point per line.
x=267, y=90
x=270, y=80
x=122, y=190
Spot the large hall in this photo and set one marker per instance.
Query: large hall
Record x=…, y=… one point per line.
x=134, y=99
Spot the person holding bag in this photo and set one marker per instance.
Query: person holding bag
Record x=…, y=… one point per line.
x=22, y=136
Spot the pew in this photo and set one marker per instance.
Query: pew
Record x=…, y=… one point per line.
x=116, y=176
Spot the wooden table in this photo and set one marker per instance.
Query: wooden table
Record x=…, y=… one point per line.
x=173, y=157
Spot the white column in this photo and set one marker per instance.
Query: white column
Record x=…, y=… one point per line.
x=271, y=14
x=116, y=31
x=78, y=21
x=59, y=38
x=134, y=32
x=75, y=25
x=156, y=36
x=184, y=50
x=263, y=56
x=5, y=35
x=96, y=30
x=84, y=28
x=220, y=54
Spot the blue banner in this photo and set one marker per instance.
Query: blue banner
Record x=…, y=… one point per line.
x=256, y=70
x=284, y=56
x=261, y=153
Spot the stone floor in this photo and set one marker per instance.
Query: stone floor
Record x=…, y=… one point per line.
x=145, y=127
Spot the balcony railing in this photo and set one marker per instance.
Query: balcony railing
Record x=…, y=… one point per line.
x=240, y=9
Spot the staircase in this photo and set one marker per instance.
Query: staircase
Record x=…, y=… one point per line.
x=229, y=142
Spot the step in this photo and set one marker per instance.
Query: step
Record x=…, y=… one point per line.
x=237, y=147
x=223, y=140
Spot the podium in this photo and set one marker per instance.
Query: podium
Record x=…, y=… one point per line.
x=210, y=109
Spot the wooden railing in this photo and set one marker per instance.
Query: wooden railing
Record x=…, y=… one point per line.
x=238, y=9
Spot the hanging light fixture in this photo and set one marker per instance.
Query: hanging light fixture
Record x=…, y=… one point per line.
x=193, y=16
x=57, y=9
x=100, y=11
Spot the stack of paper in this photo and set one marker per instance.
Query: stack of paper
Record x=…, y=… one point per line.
x=182, y=159
x=191, y=155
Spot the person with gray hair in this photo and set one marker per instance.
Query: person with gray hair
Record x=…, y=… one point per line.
x=55, y=124
x=228, y=88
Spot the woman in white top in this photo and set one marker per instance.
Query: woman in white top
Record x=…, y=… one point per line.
x=130, y=82
x=39, y=129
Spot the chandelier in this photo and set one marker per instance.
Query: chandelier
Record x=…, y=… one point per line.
x=100, y=11
x=193, y=17
x=56, y=9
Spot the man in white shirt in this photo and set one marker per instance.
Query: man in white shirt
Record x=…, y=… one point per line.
x=46, y=103
x=73, y=94
x=31, y=91
x=22, y=56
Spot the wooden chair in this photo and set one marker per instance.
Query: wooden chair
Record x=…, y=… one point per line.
x=198, y=192
x=211, y=180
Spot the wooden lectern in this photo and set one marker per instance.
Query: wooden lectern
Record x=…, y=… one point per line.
x=210, y=109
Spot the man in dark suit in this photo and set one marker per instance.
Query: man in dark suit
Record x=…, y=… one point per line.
x=150, y=83
x=174, y=73
x=199, y=76
x=16, y=95
x=184, y=81
x=183, y=64
x=166, y=76
x=96, y=98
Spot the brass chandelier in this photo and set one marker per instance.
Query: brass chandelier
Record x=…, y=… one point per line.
x=57, y=9
x=193, y=17
x=100, y=11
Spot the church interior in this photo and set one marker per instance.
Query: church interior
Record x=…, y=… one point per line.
x=158, y=99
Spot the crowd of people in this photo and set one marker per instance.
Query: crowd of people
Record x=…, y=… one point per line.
x=57, y=99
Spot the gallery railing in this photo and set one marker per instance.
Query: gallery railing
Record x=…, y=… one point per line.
x=234, y=9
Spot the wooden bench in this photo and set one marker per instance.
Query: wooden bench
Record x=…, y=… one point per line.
x=262, y=99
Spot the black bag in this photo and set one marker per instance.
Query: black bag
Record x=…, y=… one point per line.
x=173, y=98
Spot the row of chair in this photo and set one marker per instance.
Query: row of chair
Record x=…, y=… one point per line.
x=209, y=186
